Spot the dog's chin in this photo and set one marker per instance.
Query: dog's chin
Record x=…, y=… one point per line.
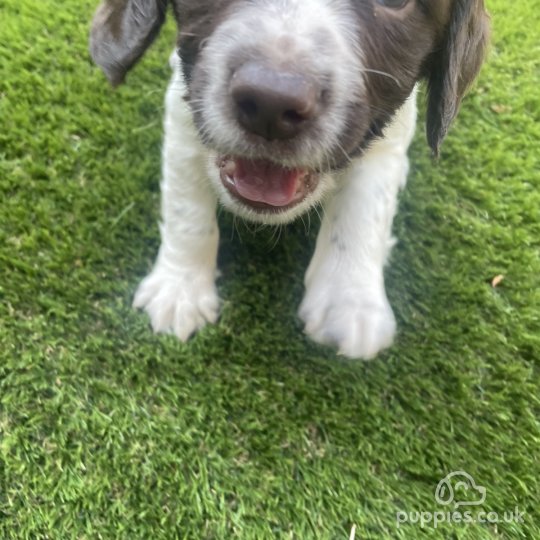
x=266, y=192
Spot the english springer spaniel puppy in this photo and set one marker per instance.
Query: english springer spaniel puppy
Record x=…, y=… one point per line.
x=276, y=106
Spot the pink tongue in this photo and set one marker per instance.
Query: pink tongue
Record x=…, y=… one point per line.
x=262, y=181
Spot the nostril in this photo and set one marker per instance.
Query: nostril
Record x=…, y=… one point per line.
x=248, y=107
x=293, y=117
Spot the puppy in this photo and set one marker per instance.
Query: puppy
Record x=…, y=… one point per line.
x=276, y=106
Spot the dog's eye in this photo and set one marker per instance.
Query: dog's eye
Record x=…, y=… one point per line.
x=394, y=4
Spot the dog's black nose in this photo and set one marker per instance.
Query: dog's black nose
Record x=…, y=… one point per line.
x=273, y=104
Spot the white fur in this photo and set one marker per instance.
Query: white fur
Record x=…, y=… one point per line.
x=345, y=303
x=180, y=293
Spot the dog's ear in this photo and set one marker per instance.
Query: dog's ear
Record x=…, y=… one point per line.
x=121, y=32
x=455, y=66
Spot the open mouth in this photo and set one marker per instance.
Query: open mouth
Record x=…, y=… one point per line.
x=265, y=186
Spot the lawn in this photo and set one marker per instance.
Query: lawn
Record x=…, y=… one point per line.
x=250, y=430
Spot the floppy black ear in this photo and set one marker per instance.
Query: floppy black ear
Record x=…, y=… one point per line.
x=455, y=66
x=121, y=32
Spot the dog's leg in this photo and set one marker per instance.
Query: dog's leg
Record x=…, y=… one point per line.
x=180, y=293
x=345, y=303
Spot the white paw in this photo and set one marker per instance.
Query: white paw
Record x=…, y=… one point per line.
x=359, y=322
x=178, y=303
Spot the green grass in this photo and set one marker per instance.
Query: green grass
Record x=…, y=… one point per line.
x=250, y=431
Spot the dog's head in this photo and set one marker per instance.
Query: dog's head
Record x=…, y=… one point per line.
x=284, y=91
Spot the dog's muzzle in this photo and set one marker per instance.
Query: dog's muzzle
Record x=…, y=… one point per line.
x=270, y=105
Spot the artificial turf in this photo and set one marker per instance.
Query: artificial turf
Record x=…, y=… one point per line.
x=251, y=431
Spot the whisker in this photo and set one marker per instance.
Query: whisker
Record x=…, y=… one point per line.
x=383, y=73
x=277, y=230
x=349, y=159
x=304, y=224
x=316, y=208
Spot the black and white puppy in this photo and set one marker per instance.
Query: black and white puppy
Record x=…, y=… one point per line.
x=276, y=106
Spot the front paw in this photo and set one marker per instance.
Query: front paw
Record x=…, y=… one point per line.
x=178, y=303
x=359, y=322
